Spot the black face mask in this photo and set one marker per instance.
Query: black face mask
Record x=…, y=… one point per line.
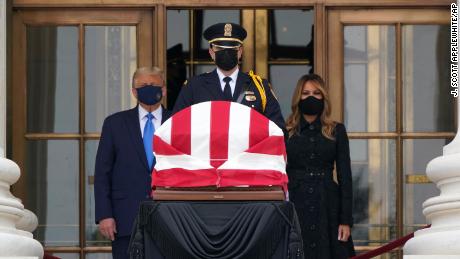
x=311, y=105
x=226, y=59
x=149, y=94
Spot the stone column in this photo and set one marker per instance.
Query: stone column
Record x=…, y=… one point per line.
x=2, y=78
x=442, y=240
x=16, y=223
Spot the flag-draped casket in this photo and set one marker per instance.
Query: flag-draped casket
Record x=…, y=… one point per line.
x=217, y=144
x=220, y=144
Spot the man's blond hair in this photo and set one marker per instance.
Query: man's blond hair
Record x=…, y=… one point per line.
x=154, y=71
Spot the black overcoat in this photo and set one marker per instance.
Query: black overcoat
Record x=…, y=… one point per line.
x=320, y=202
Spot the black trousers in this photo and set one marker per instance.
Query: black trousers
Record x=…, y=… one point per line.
x=120, y=247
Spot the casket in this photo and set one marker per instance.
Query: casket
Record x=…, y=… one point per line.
x=219, y=187
x=219, y=151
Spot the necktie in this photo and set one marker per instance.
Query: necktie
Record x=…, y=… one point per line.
x=227, y=89
x=149, y=129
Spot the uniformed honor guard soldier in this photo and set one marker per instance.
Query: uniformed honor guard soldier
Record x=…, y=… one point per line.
x=227, y=82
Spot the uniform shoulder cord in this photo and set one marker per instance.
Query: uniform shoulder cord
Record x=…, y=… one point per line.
x=258, y=82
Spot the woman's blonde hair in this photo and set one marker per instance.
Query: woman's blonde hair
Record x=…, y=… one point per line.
x=292, y=123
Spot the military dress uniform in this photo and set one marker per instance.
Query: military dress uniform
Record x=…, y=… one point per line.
x=249, y=90
x=206, y=87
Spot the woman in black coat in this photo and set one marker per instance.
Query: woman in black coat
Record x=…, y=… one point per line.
x=314, y=144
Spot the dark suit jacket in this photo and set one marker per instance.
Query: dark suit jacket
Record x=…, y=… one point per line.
x=122, y=177
x=206, y=87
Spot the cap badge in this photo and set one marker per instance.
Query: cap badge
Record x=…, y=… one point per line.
x=228, y=30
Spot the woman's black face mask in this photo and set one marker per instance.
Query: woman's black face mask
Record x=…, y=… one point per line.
x=226, y=59
x=311, y=105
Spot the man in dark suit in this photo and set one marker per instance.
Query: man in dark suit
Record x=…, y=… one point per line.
x=125, y=159
x=227, y=82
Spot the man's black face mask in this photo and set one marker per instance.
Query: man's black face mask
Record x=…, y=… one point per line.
x=226, y=59
x=149, y=94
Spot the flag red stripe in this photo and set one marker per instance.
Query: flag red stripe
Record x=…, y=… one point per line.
x=235, y=177
x=218, y=146
x=163, y=148
x=273, y=145
x=181, y=131
x=258, y=128
x=179, y=177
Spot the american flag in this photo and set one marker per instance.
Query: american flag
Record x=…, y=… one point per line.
x=219, y=144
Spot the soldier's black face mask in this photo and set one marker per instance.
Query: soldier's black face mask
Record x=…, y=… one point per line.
x=226, y=59
x=311, y=105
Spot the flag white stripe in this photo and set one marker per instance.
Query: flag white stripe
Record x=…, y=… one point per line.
x=164, y=132
x=201, y=131
x=244, y=161
x=274, y=130
x=238, y=132
x=180, y=161
x=254, y=161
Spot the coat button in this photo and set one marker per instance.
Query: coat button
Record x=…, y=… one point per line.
x=311, y=190
x=312, y=208
x=313, y=227
x=313, y=245
x=312, y=139
x=311, y=127
x=312, y=156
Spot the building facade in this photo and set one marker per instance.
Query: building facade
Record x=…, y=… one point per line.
x=69, y=63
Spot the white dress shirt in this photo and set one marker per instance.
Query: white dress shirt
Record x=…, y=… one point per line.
x=157, y=116
x=232, y=83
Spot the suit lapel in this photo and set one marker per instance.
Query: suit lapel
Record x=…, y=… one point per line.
x=241, y=81
x=132, y=121
x=165, y=115
x=213, y=85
